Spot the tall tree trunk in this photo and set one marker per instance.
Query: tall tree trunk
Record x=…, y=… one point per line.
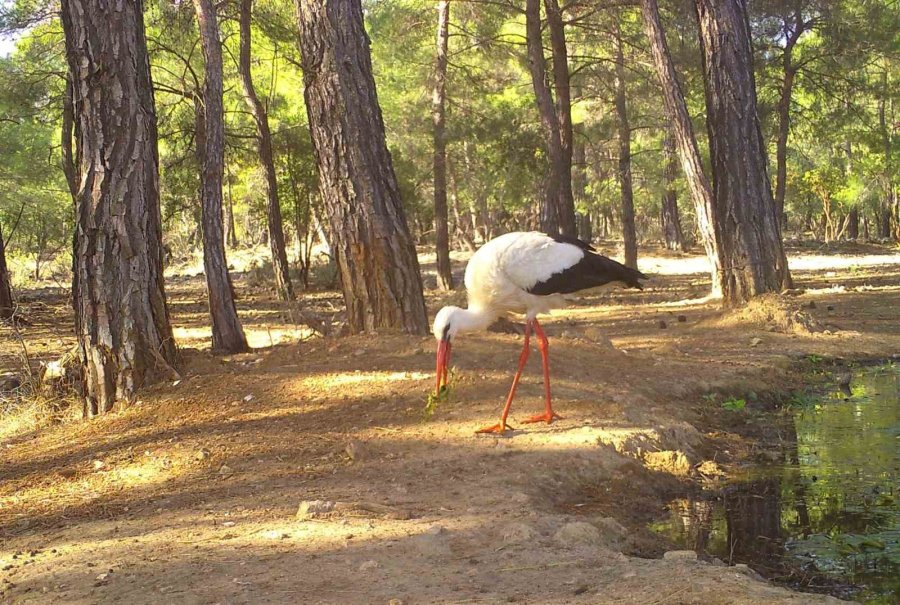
x=558, y=186
x=565, y=207
x=267, y=159
x=227, y=333
x=121, y=317
x=629, y=235
x=579, y=188
x=784, y=128
x=442, y=235
x=379, y=269
x=7, y=304
x=670, y=219
x=67, y=132
x=231, y=239
x=685, y=142
x=753, y=252
x=792, y=35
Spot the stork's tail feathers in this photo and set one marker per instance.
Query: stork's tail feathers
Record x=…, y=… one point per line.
x=616, y=271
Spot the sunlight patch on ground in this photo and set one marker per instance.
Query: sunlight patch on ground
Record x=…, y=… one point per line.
x=691, y=265
x=257, y=337
x=96, y=481
x=358, y=378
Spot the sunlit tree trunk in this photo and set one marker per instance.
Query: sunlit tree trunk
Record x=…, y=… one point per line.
x=753, y=255
x=685, y=142
x=442, y=234
x=267, y=159
x=378, y=265
x=121, y=317
x=629, y=234
x=227, y=333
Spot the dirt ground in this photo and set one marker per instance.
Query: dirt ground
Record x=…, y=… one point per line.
x=191, y=495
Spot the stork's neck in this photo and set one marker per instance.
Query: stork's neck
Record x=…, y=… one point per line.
x=474, y=319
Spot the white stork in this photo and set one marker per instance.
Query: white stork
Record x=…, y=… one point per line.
x=526, y=273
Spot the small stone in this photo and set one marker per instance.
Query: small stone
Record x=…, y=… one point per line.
x=311, y=508
x=680, y=555
x=396, y=602
x=228, y=524
x=682, y=319
x=248, y=398
x=662, y=325
x=202, y=454
x=98, y=464
x=367, y=565
x=225, y=471
x=101, y=579
x=578, y=533
x=755, y=341
x=359, y=352
x=354, y=450
x=518, y=533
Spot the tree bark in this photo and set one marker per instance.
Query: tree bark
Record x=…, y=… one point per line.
x=784, y=128
x=565, y=208
x=670, y=219
x=754, y=261
x=7, y=304
x=379, y=269
x=227, y=333
x=121, y=317
x=442, y=234
x=784, y=110
x=685, y=142
x=629, y=235
x=579, y=189
x=67, y=133
x=231, y=239
x=558, y=203
x=280, y=265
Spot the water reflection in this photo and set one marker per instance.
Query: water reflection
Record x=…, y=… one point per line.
x=828, y=515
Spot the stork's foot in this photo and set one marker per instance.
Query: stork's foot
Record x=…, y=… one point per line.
x=497, y=429
x=547, y=417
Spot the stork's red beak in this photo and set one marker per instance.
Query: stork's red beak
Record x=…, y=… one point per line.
x=442, y=366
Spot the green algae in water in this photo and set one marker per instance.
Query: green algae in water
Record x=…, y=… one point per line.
x=827, y=517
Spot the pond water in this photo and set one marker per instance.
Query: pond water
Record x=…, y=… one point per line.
x=827, y=516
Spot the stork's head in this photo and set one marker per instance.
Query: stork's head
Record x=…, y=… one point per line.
x=444, y=330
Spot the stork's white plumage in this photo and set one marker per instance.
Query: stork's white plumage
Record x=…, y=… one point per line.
x=527, y=273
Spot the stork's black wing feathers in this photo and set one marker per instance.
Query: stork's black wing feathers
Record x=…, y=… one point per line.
x=590, y=272
x=568, y=239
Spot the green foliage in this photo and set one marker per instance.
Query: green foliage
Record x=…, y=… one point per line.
x=734, y=404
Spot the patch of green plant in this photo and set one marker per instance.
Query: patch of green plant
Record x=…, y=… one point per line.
x=435, y=398
x=801, y=399
x=734, y=404
x=813, y=358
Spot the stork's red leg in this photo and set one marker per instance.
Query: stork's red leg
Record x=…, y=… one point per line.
x=549, y=415
x=523, y=358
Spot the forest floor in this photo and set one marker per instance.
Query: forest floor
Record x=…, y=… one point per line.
x=190, y=495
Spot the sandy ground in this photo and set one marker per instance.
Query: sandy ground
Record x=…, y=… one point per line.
x=190, y=496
